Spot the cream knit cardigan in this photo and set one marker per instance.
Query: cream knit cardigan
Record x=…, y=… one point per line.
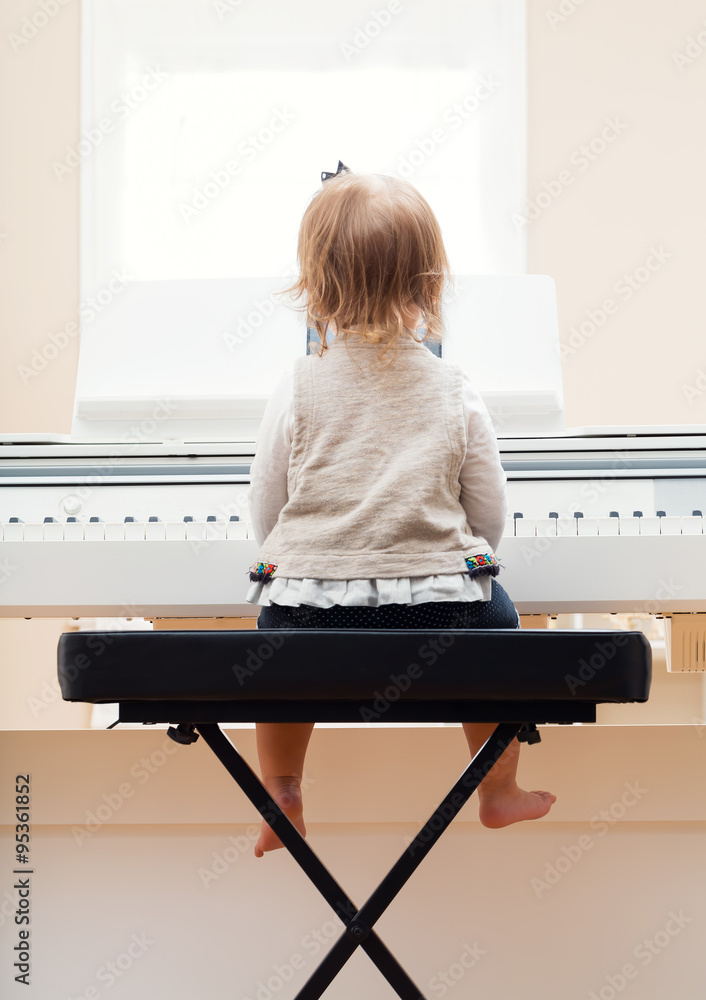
x=373, y=478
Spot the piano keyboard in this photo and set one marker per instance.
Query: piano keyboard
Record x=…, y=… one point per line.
x=637, y=523
x=599, y=524
x=130, y=528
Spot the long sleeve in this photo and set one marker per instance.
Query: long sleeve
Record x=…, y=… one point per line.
x=482, y=476
x=268, y=474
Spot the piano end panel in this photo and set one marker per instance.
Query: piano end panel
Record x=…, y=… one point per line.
x=685, y=636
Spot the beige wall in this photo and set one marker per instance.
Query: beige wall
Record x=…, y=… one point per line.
x=39, y=218
x=612, y=59
x=555, y=907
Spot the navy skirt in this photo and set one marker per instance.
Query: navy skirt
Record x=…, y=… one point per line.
x=498, y=612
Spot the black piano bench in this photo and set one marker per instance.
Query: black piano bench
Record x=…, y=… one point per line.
x=195, y=680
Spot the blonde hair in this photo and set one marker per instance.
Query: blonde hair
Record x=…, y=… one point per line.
x=369, y=249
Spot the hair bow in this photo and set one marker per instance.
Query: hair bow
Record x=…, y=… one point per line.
x=341, y=169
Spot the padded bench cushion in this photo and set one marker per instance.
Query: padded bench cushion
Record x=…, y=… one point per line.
x=329, y=665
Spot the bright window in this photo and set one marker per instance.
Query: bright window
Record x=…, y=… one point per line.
x=205, y=127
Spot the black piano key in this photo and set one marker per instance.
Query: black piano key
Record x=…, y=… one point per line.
x=553, y=513
x=71, y=520
x=129, y=519
x=661, y=513
x=49, y=520
x=16, y=520
x=613, y=513
x=694, y=513
x=234, y=517
x=211, y=517
x=188, y=517
x=577, y=513
x=153, y=518
x=516, y=515
x=94, y=520
x=637, y=513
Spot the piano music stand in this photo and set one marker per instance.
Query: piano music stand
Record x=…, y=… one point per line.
x=198, y=679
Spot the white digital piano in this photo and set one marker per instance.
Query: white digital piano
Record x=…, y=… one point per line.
x=142, y=511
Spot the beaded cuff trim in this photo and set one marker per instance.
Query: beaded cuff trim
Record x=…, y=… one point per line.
x=483, y=565
x=262, y=572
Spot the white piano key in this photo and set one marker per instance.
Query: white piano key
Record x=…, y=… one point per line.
x=546, y=526
x=509, y=527
x=175, y=530
x=215, y=530
x=13, y=531
x=566, y=525
x=114, y=531
x=608, y=525
x=195, y=529
x=692, y=525
x=73, y=531
x=53, y=531
x=525, y=527
x=670, y=525
x=236, y=529
x=629, y=525
x=94, y=531
x=155, y=531
x=587, y=525
x=34, y=531
x=134, y=531
x=649, y=525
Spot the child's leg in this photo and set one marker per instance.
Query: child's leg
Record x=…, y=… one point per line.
x=281, y=748
x=501, y=801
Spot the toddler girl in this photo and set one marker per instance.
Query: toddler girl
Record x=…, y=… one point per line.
x=377, y=495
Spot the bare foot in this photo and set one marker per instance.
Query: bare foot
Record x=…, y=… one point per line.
x=498, y=808
x=286, y=791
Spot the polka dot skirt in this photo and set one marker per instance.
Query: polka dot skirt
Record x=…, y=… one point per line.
x=498, y=612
